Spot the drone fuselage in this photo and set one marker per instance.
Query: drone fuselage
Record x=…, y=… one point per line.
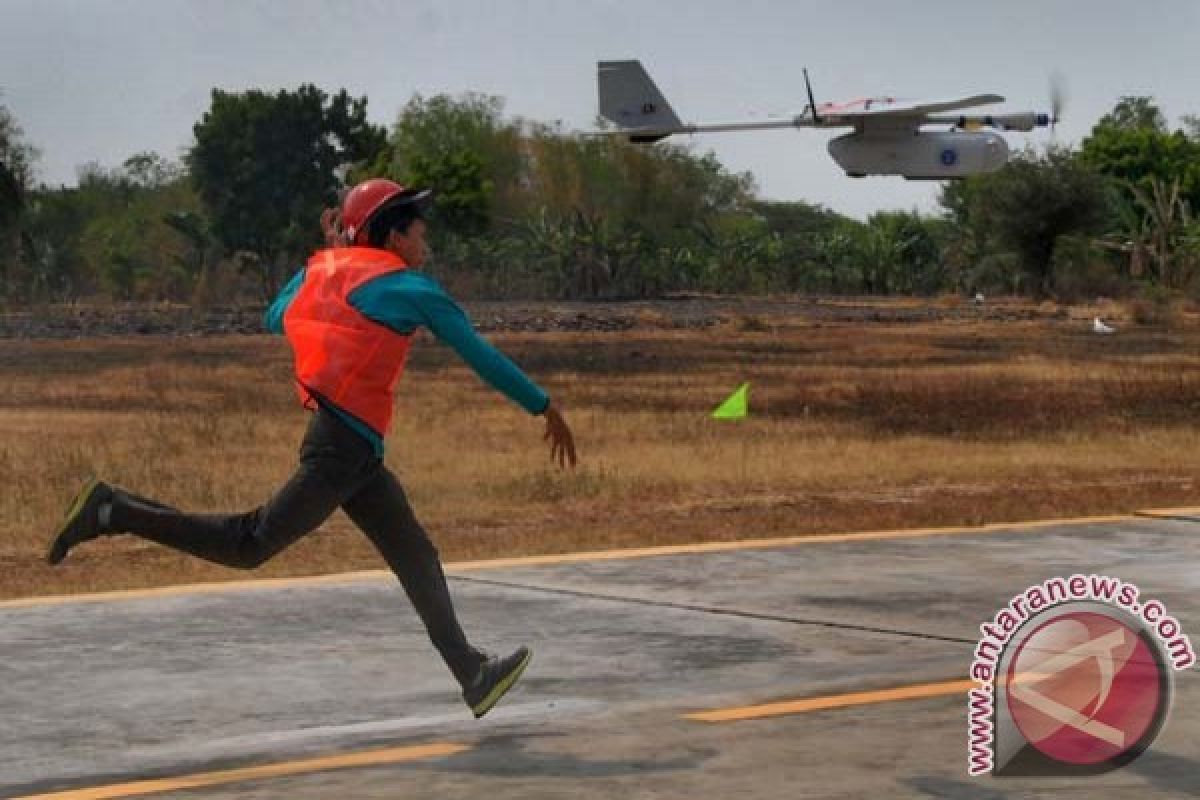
x=919, y=155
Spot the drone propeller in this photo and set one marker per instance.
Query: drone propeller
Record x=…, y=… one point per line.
x=1058, y=98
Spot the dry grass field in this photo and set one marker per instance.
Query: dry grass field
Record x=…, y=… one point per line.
x=855, y=425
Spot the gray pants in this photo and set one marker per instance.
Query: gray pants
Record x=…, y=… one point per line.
x=338, y=468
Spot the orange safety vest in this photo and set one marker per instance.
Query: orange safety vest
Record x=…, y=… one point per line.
x=341, y=355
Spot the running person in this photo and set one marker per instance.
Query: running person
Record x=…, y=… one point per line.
x=349, y=317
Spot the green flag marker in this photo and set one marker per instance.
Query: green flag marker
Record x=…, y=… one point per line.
x=737, y=406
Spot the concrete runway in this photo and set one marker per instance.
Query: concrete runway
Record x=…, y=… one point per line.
x=286, y=689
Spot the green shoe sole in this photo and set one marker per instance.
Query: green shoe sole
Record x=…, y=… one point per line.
x=59, y=547
x=500, y=689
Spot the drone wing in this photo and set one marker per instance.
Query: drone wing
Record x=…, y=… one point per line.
x=891, y=107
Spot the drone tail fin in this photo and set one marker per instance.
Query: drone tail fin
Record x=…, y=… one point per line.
x=630, y=100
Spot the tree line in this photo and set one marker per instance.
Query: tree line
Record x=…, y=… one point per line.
x=527, y=210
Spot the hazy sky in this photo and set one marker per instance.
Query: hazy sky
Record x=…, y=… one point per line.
x=98, y=80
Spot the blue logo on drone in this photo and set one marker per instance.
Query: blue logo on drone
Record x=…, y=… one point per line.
x=949, y=158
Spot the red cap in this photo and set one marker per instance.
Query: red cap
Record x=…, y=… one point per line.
x=369, y=198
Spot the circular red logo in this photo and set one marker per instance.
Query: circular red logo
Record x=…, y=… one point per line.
x=1084, y=688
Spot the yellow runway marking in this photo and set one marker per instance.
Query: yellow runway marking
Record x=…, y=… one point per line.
x=559, y=558
x=919, y=691
x=216, y=587
x=1169, y=513
x=370, y=758
x=787, y=541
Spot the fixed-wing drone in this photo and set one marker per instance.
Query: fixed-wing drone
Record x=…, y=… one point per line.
x=888, y=136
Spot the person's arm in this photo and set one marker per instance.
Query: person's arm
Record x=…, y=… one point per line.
x=450, y=324
x=404, y=301
x=273, y=319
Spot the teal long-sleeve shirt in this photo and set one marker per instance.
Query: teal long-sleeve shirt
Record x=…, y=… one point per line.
x=407, y=299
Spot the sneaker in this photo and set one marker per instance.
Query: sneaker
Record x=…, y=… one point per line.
x=496, y=677
x=82, y=521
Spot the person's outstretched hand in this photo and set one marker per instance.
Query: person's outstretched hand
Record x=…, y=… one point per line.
x=558, y=433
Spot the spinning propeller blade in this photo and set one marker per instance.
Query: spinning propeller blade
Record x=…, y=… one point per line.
x=1058, y=98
